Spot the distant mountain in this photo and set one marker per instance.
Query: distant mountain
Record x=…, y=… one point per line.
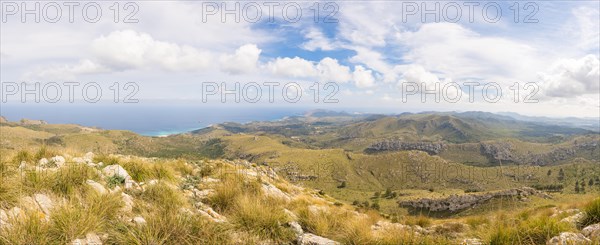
x=455, y=127
x=585, y=123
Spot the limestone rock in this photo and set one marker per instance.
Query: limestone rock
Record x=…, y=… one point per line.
x=592, y=231
x=472, y=241
x=296, y=228
x=58, y=160
x=88, y=157
x=208, y=212
x=273, y=191
x=203, y=194
x=43, y=162
x=116, y=170
x=312, y=239
x=568, y=238
x=96, y=186
x=90, y=239
x=456, y=203
x=139, y=220
x=573, y=219
x=128, y=201
x=44, y=203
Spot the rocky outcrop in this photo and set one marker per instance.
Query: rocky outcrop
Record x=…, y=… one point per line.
x=456, y=203
x=397, y=145
x=568, y=238
x=27, y=122
x=573, y=219
x=273, y=191
x=592, y=232
x=502, y=151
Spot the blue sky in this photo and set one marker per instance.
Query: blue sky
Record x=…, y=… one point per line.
x=370, y=53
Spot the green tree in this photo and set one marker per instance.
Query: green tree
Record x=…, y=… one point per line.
x=577, y=186
x=549, y=172
x=375, y=206
x=388, y=193
x=561, y=175
x=376, y=194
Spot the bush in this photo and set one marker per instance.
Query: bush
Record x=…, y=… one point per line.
x=532, y=231
x=9, y=193
x=114, y=180
x=162, y=196
x=137, y=170
x=21, y=156
x=106, y=159
x=71, y=178
x=232, y=187
x=592, y=214
x=420, y=220
x=262, y=218
x=169, y=228
x=43, y=152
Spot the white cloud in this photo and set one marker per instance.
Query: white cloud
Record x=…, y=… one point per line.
x=363, y=78
x=292, y=67
x=586, y=27
x=316, y=40
x=375, y=61
x=66, y=72
x=367, y=25
x=458, y=52
x=572, y=77
x=130, y=49
x=418, y=75
x=330, y=70
x=243, y=61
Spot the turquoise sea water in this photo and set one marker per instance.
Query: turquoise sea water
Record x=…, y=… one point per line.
x=149, y=119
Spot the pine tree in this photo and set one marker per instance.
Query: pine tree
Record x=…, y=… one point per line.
x=376, y=194
x=591, y=182
x=549, y=172
x=577, y=186
x=561, y=175
x=388, y=193
x=375, y=206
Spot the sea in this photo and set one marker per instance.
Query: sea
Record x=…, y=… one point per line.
x=145, y=119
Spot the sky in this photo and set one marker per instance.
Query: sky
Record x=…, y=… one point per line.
x=540, y=58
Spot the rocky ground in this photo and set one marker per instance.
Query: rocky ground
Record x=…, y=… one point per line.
x=240, y=202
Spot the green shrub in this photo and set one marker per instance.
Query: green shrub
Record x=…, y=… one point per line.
x=21, y=156
x=263, y=218
x=162, y=196
x=71, y=178
x=532, y=231
x=114, y=180
x=170, y=228
x=591, y=214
